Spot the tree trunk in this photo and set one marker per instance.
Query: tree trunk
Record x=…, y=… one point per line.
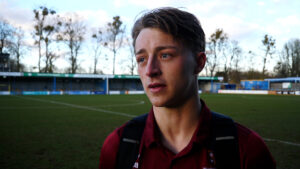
x=264, y=66
x=18, y=62
x=47, y=59
x=95, y=65
x=2, y=45
x=114, y=60
x=40, y=55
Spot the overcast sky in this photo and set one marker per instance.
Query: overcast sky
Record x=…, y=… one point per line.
x=245, y=21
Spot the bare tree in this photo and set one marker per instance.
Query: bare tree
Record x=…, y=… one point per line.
x=132, y=64
x=42, y=31
x=115, y=32
x=72, y=34
x=251, y=73
x=217, y=45
x=282, y=68
x=13, y=65
x=17, y=47
x=52, y=58
x=212, y=60
x=235, y=53
x=269, y=44
x=98, y=44
x=289, y=63
x=294, y=46
x=6, y=33
x=250, y=55
x=50, y=31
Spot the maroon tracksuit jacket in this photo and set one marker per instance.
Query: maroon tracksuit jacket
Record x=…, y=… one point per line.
x=254, y=154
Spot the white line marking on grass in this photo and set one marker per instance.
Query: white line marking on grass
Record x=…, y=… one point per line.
x=53, y=107
x=30, y=107
x=126, y=115
x=281, y=141
x=122, y=105
x=78, y=106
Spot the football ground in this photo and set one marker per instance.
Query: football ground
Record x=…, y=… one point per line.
x=67, y=132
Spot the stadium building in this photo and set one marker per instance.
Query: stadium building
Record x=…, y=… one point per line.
x=23, y=83
x=289, y=85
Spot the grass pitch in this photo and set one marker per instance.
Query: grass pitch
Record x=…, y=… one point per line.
x=67, y=132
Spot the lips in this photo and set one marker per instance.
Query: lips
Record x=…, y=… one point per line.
x=156, y=87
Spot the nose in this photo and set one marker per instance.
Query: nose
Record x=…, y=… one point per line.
x=153, y=67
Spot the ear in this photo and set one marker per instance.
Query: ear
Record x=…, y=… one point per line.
x=200, y=60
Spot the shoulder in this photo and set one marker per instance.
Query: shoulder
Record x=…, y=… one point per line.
x=253, y=151
x=110, y=148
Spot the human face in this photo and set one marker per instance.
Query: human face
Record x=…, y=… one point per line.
x=167, y=70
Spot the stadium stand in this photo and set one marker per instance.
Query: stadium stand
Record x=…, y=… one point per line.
x=289, y=85
x=59, y=83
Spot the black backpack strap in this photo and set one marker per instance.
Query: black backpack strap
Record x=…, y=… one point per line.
x=225, y=142
x=130, y=142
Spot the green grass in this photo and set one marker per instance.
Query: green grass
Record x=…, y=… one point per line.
x=48, y=132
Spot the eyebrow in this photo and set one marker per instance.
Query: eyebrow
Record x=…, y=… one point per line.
x=159, y=48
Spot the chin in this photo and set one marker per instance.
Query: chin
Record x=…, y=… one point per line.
x=160, y=102
x=157, y=103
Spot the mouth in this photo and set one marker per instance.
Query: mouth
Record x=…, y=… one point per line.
x=156, y=87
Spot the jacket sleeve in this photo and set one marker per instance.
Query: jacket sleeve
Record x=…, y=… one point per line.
x=254, y=153
x=109, y=150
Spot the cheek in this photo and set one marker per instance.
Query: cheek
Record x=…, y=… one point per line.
x=181, y=68
x=189, y=66
x=183, y=73
x=142, y=76
x=140, y=70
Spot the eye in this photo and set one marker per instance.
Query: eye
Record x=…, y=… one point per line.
x=165, y=56
x=140, y=59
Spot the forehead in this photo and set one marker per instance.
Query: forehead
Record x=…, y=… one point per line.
x=150, y=38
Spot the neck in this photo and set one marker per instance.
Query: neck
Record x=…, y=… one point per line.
x=178, y=124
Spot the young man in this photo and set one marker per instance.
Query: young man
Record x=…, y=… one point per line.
x=169, y=46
